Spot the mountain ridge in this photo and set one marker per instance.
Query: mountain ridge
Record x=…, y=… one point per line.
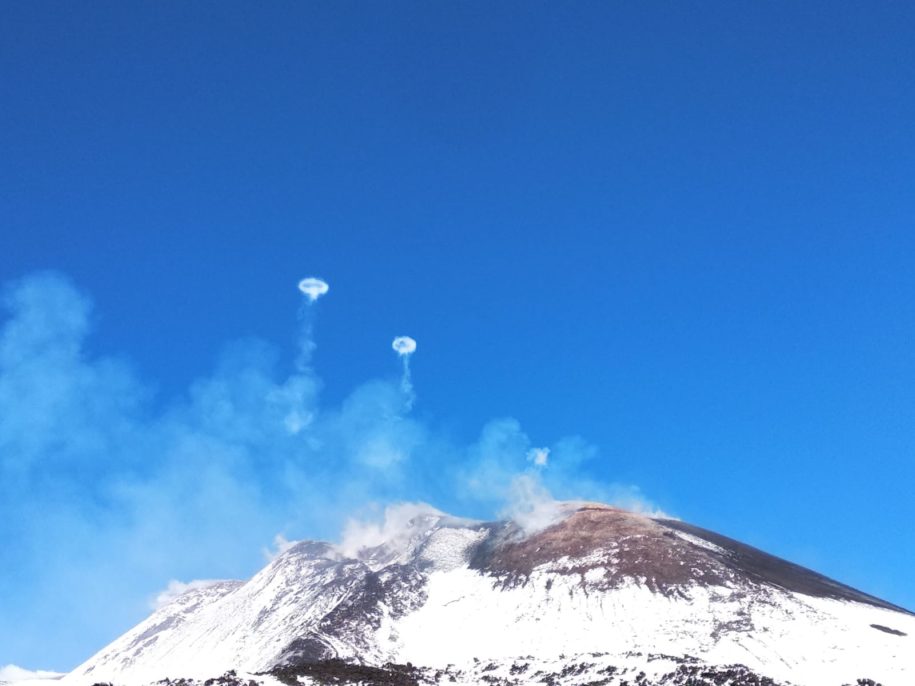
x=441, y=591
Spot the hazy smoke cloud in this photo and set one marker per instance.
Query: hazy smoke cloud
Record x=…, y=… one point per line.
x=530, y=504
x=177, y=588
x=395, y=528
x=527, y=483
x=12, y=674
x=106, y=491
x=280, y=545
x=539, y=456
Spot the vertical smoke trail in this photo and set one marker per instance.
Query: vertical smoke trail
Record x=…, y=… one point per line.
x=405, y=346
x=297, y=393
x=312, y=288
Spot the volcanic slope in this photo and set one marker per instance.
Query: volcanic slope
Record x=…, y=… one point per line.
x=471, y=602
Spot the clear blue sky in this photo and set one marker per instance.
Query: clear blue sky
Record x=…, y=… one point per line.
x=682, y=231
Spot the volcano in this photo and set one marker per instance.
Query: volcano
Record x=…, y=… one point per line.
x=600, y=597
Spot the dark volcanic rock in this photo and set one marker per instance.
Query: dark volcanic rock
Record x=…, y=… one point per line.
x=340, y=672
x=628, y=547
x=754, y=564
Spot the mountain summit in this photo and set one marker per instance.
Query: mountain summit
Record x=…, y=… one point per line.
x=602, y=596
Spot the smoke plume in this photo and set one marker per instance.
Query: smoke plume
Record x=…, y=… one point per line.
x=405, y=346
x=108, y=492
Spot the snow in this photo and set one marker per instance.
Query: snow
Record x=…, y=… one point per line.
x=447, y=548
x=209, y=630
x=702, y=543
x=795, y=638
x=460, y=616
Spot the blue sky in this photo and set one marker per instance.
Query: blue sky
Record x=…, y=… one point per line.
x=671, y=242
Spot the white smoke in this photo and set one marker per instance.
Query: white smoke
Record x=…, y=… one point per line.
x=280, y=545
x=534, y=486
x=539, y=456
x=177, y=588
x=396, y=528
x=11, y=674
x=313, y=287
x=530, y=504
x=191, y=487
x=405, y=346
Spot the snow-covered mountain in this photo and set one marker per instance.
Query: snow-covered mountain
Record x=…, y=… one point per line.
x=597, y=598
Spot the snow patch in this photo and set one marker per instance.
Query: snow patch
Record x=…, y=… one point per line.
x=701, y=542
x=449, y=548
